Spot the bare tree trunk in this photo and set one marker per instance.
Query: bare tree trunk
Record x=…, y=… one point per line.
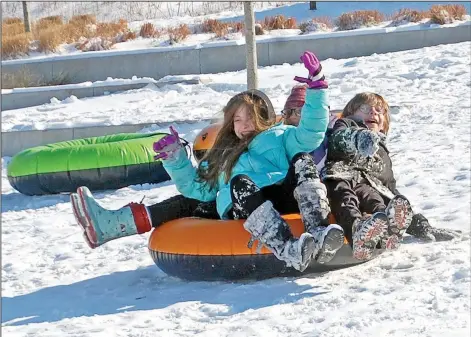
x=26, y=17
x=251, y=46
x=312, y=5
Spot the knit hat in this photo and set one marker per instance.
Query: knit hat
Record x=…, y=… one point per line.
x=297, y=97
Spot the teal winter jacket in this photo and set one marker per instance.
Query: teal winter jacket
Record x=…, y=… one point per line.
x=267, y=159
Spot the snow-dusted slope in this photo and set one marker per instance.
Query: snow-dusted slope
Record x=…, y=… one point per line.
x=54, y=285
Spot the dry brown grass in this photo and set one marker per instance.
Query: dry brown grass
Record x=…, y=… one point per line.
x=85, y=19
x=148, y=30
x=11, y=21
x=279, y=22
x=16, y=45
x=51, y=20
x=179, y=33
x=47, y=24
x=123, y=24
x=221, y=29
x=110, y=29
x=72, y=32
x=259, y=29
x=237, y=26
x=11, y=29
x=209, y=25
x=125, y=37
x=442, y=14
x=50, y=32
x=50, y=39
x=322, y=23
x=408, y=15
x=357, y=19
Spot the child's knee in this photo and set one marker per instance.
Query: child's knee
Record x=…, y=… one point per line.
x=304, y=167
x=303, y=156
x=241, y=180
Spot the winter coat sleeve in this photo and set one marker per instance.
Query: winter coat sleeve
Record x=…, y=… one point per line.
x=184, y=175
x=310, y=132
x=349, y=139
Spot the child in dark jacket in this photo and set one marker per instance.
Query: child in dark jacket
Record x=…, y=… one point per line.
x=360, y=181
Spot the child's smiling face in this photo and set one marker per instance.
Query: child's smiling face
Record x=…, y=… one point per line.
x=373, y=116
x=243, y=123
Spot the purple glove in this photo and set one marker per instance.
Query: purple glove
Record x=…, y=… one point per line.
x=168, y=146
x=316, y=79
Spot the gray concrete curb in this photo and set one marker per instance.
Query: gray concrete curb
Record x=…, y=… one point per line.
x=19, y=98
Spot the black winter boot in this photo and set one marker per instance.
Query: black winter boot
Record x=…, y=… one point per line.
x=420, y=228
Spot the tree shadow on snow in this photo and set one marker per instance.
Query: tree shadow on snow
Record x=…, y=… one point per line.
x=146, y=289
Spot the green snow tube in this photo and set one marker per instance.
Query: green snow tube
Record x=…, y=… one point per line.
x=100, y=163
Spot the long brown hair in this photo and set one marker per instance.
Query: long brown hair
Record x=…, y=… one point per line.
x=227, y=147
x=372, y=99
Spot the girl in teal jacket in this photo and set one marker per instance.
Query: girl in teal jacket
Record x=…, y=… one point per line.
x=257, y=169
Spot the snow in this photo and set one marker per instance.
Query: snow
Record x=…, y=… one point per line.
x=299, y=11
x=54, y=285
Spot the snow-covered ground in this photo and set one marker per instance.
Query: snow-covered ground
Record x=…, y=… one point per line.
x=300, y=11
x=54, y=285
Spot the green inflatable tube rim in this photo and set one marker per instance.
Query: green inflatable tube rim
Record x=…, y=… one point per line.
x=87, y=153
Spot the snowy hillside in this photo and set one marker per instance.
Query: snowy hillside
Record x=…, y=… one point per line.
x=54, y=285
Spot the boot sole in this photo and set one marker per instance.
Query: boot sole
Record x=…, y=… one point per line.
x=79, y=217
x=307, y=251
x=87, y=225
x=399, y=213
x=363, y=249
x=333, y=241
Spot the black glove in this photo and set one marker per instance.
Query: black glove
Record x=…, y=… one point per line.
x=420, y=228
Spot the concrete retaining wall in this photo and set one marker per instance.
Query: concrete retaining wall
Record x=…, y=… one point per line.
x=157, y=63
x=19, y=98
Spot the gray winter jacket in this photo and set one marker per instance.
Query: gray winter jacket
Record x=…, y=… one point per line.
x=346, y=159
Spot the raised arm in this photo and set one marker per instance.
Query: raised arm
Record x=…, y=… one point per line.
x=310, y=132
x=180, y=169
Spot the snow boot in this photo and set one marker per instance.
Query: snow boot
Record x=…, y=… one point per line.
x=399, y=213
x=420, y=228
x=101, y=225
x=313, y=204
x=267, y=226
x=367, y=233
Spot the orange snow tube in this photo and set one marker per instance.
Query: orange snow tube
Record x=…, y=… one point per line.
x=211, y=250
